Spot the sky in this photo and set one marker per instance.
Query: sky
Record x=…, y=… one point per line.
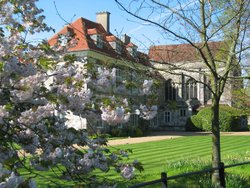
x=120, y=21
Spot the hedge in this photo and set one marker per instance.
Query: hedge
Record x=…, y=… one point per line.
x=230, y=119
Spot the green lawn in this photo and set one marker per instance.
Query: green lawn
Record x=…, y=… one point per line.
x=181, y=155
x=187, y=154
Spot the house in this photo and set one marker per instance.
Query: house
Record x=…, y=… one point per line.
x=94, y=41
x=186, y=81
x=181, y=71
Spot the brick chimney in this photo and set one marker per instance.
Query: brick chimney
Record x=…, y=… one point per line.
x=103, y=18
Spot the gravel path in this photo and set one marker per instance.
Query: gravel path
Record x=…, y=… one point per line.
x=168, y=135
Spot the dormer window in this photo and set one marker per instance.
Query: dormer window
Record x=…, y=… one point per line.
x=99, y=41
x=118, y=48
x=97, y=38
x=134, y=52
x=132, y=49
x=115, y=43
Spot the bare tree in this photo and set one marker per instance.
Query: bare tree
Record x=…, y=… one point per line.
x=198, y=22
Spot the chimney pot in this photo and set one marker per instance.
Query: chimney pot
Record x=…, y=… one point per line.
x=125, y=39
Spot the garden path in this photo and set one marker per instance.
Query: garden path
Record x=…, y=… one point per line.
x=156, y=136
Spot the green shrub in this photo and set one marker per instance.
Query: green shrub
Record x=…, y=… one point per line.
x=194, y=123
x=230, y=119
x=126, y=131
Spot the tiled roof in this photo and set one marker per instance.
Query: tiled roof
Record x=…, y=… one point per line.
x=82, y=29
x=92, y=31
x=131, y=45
x=179, y=52
x=111, y=38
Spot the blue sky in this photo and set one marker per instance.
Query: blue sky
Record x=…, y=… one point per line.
x=120, y=22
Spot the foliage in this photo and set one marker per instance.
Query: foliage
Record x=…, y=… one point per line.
x=44, y=96
x=126, y=131
x=199, y=24
x=230, y=119
x=194, y=123
x=242, y=99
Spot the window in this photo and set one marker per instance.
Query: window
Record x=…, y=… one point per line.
x=100, y=124
x=119, y=79
x=191, y=89
x=133, y=120
x=97, y=39
x=133, y=78
x=132, y=50
x=170, y=90
x=118, y=47
x=167, y=117
x=119, y=125
x=183, y=112
x=207, y=92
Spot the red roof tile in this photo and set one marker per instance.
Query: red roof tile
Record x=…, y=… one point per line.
x=82, y=29
x=92, y=31
x=111, y=38
x=179, y=52
x=131, y=45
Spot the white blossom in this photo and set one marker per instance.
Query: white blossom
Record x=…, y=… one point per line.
x=127, y=171
x=3, y=113
x=105, y=78
x=12, y=182
x=38, y=100
x=146, y=87
x=147, y=113
x=32, y=116
x=58, y=152
x=114, y=116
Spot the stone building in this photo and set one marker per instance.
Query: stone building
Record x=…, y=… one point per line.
x=186, y=83
x=181, y=72
x=94, y=41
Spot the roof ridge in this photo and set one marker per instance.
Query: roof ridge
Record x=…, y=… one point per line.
x=184, y=44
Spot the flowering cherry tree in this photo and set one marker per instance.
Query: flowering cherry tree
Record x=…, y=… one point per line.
x=38, y=86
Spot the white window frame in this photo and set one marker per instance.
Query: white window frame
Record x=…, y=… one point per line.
x=100, y=124
x=183, y=112
x=167, y=117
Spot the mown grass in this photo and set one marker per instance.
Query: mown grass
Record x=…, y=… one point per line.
x=182, y=155
x=187, y=154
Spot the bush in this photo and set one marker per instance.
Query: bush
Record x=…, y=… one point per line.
x=126, y=131
x=194, y=123
x=230, y=119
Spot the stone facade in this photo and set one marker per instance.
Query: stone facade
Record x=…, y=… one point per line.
x=186, y=84
x=182, y=89
x=103, y=49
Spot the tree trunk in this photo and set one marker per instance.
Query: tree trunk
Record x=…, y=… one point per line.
x=216, y=153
